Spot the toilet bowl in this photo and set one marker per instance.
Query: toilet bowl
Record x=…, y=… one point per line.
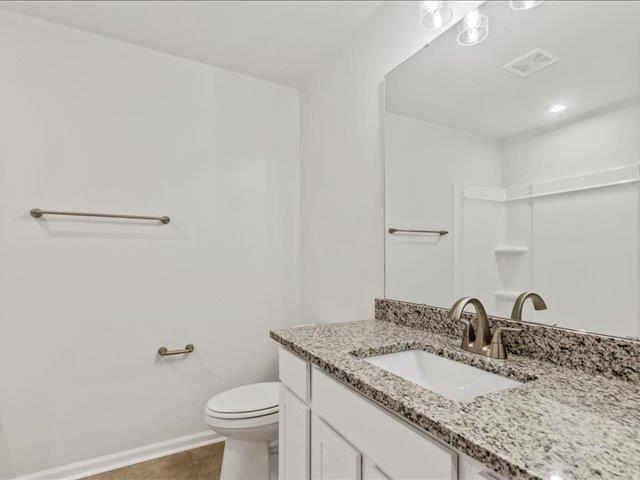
x=248, y=417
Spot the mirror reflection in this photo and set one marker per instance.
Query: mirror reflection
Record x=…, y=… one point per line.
x=512, y=164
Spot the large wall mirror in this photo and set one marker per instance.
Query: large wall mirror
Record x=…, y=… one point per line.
x=517, y=159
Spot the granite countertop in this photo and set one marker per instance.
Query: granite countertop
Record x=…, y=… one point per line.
x=560, y=424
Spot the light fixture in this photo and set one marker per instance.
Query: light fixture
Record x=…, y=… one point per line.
x=434, y=15
x=557, y=108
x=524, y=4
x=473, y=28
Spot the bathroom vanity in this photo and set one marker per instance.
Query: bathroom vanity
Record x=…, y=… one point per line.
x=340, y=434
x=351, y=407
x=346, y=431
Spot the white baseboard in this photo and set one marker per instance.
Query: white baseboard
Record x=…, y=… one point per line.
x=75, y=471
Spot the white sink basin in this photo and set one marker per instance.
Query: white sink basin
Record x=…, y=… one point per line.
x=448, y=378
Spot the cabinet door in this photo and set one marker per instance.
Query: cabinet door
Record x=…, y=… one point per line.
x=294, y=437
x=370, y=471
x=333, y=458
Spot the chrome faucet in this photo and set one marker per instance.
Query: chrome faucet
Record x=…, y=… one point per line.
x=479, y=339
x=538, y=304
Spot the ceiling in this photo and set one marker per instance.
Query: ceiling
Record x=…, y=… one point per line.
x=598, y=44
x=282, y=41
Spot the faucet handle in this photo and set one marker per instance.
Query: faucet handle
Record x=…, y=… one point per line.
x=496, y=348
x=497, y=335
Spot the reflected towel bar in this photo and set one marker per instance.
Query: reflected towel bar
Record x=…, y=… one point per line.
x=37, y=213
x=437, y=232
x=187, y=349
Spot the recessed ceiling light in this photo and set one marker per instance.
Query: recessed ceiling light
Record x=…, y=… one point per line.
x=434, y=15
x=557, y=108
x=473, y=28
x=524, y=5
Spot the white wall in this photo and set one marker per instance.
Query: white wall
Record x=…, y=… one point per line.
x=581, y=288
x=93, y=124
x=342, y=255
x=423, y=161
x=604, y=140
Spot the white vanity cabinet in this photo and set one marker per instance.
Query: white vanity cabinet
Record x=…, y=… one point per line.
x=330, y=432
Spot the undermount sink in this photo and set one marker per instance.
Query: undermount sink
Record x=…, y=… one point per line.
x=445, y=377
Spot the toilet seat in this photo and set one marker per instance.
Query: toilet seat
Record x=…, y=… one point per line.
x=240, y=423
x=246, y=402
x=241, y=415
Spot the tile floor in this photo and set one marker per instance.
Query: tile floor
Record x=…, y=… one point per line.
x=199, y=464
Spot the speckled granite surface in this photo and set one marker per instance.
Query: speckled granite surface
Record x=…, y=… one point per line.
x=560, y=424
x=592, y=353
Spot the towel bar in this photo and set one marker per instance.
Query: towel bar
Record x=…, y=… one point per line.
x=37, y=213
x=187, y=349
x=438, y=232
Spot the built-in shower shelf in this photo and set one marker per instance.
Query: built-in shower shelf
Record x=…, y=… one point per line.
x=519, y=250
x=507, y=294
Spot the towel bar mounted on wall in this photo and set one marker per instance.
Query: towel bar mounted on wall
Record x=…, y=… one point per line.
x=37, y=213
x=162, y=351
x=437, y=232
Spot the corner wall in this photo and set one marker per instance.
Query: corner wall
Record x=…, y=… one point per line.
x=93, y=124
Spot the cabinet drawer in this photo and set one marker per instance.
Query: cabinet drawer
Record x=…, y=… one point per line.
x=399, y=450
x=295, y=373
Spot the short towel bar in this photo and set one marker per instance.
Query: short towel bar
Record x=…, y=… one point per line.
x=187, y=349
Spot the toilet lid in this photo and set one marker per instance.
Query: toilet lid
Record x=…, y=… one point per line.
x=256, y=399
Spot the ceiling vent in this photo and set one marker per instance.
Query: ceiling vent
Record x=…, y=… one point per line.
x=531, y=62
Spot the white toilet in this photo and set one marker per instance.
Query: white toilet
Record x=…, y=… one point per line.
x=248, y=417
